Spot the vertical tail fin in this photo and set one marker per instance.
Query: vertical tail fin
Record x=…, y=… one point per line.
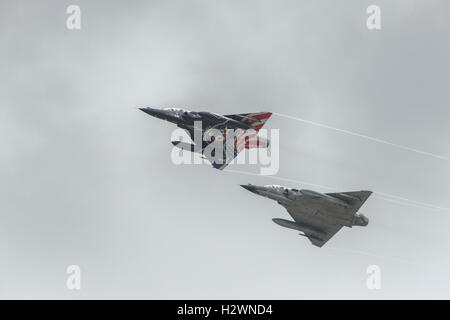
x=255, y=120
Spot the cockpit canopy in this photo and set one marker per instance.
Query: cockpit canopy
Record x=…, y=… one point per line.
x=184, y=112
x=281, y=189
x=275, y=187
x=177, y=110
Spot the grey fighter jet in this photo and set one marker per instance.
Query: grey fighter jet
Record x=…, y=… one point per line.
x=319, y=216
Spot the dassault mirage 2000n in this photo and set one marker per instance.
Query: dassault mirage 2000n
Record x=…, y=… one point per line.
x=246, y=125
x=319, y=216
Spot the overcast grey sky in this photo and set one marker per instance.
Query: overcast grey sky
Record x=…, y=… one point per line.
x=86, y=178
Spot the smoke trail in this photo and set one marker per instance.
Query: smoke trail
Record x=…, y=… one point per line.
x=426, y=153
x=380, y=195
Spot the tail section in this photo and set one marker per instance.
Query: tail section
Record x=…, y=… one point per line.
x=255, y=120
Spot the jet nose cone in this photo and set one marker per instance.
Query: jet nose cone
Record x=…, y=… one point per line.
x=146, y=110
x=249, y=187
x=158, y=113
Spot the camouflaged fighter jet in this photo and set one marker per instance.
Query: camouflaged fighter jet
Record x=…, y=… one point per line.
x=242, y=122
x=319, y=216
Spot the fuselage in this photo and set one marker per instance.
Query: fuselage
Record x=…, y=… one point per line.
x=211, y=125
x=288, y=196
x=186, y=119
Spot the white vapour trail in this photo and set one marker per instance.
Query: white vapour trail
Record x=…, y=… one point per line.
x=380, y=195
x=426, y=153
x=402, y=202
x=413, y=202
x=278, y=178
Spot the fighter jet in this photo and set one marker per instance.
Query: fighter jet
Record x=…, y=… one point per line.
x=242, y=124
x=317, y=215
